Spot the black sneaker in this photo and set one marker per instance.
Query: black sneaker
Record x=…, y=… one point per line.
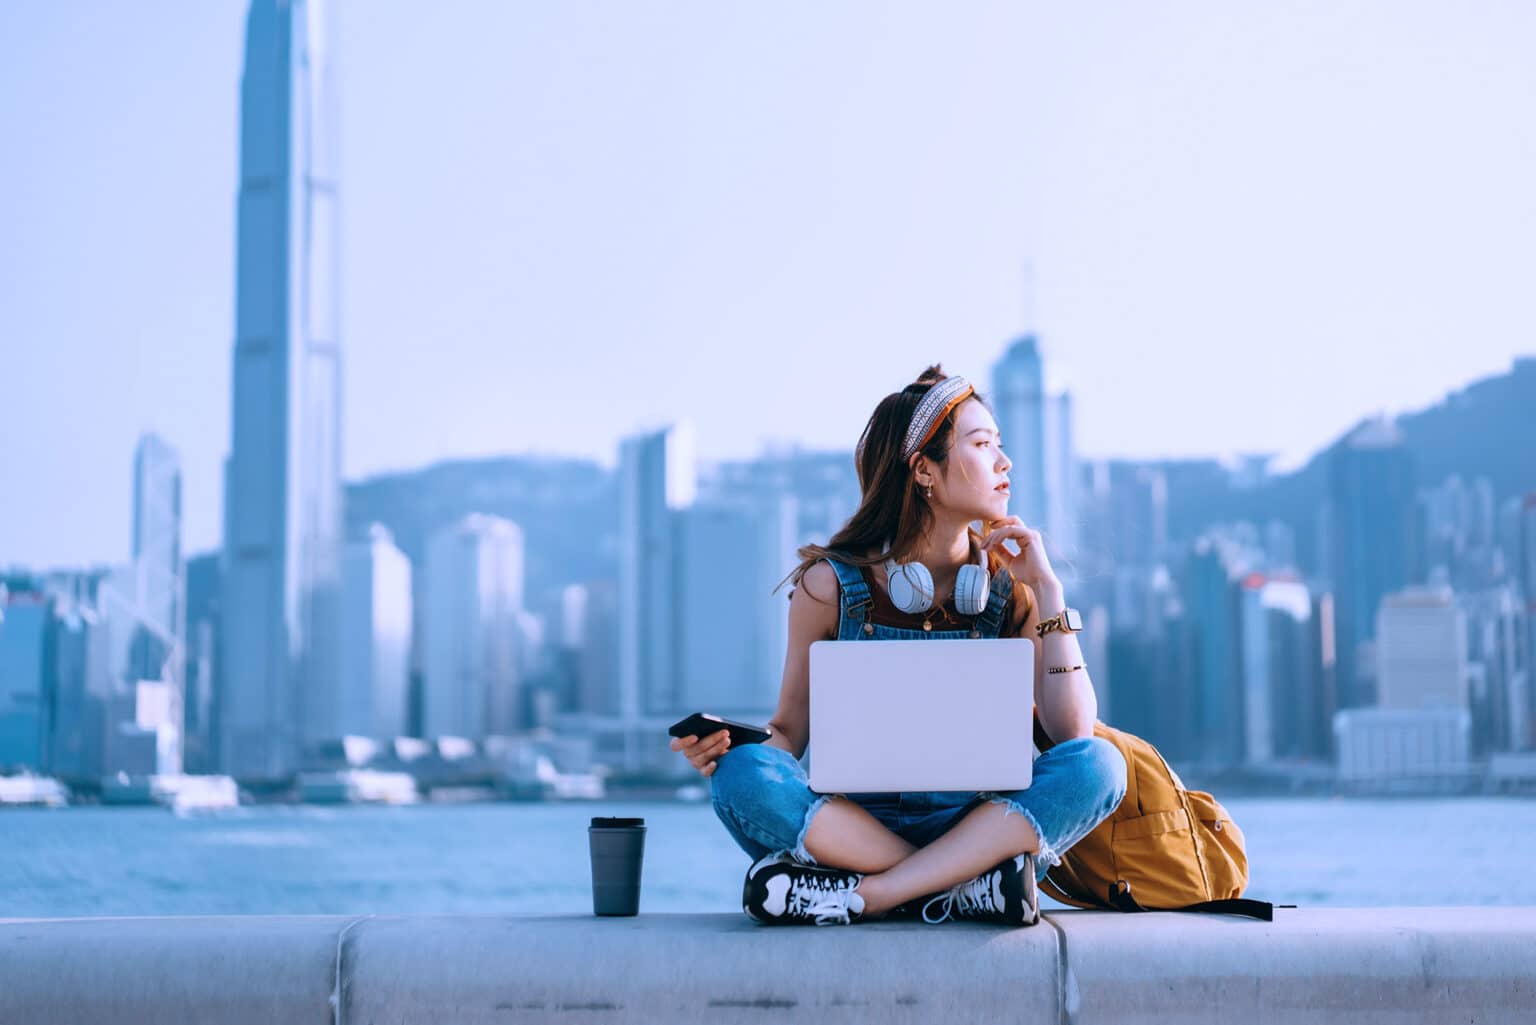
x=1005, y=894
x=780, y=890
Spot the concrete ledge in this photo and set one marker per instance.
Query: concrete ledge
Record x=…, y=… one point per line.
x=234, y=970
x=1361, y=966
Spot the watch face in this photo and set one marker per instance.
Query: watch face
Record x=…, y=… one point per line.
x=1074, y=619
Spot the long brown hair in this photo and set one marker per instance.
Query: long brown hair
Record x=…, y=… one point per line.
x=891, y=507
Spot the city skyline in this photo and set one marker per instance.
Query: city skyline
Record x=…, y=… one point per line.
x=766, y=224
x=1238, y=615
x=769, y=450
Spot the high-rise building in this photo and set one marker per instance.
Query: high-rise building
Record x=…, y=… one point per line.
x=597, y=661
x=25, y=665
x=1147, y=684
x=201, y=687
x=158, y=651
x=83, y=684
x=157, y=561
x=732, y=627
x=657, y=479
x=1525, y=559
x=1496, y=630
x=1421, y=650
x=1036, y=425
x=1523, y=718
x=1279, y=678
x=1314, y=721
x=1370, y=540
x=282, y=502
x=473, y=647
x=370, y=698
x=1208, y=588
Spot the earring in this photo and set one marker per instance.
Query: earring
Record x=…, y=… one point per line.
x=928, y=492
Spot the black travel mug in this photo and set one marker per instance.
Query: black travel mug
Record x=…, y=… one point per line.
x=618, y=849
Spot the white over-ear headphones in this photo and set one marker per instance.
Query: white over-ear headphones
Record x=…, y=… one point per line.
x=911, y=586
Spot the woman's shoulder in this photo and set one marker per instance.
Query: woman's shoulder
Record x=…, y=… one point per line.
x=814, y=607
x=820, y=582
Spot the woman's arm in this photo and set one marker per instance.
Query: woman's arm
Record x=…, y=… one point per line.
x=1065, y=702
x=813, y=612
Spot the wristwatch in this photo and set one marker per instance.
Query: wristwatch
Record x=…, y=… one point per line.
x=1068, y=621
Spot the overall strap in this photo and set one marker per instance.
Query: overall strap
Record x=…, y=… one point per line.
x=855, y=601
x=990, y=622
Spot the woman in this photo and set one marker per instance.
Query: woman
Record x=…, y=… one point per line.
x=930, y=463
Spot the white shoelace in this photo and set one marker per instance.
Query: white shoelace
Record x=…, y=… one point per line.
x=820, y=897
x=966, y=898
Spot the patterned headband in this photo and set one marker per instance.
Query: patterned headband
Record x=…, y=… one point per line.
x=931, y=411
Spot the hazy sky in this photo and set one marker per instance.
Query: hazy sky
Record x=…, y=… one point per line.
x=564, y=221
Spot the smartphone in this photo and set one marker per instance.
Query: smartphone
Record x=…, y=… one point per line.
x=701, y=725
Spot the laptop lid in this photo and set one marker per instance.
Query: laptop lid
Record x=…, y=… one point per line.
x=921, y=715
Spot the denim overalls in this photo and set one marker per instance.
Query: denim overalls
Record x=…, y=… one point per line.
x=763, y=795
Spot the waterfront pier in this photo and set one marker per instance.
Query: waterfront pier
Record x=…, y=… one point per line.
x=1362, y=966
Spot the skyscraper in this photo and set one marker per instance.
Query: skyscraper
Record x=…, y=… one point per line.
x=82, y=690
x=1036, y=426
x=158, y=648
x=1370, y=538
x=25, y=666
x=1209, y=589
x=370, y=697
x=472, y=648
x=1523, y=718
x=157, y=537
x=200, y=690
x=282, y=496
x=732, y=627
x=1279, y=678
x=1421, y=648
x=657, y=478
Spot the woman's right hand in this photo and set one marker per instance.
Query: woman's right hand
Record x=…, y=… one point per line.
x=702, y=754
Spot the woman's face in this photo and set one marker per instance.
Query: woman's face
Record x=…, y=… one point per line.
x=973, y=481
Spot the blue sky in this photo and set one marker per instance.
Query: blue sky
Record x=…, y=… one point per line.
x=1247, y=227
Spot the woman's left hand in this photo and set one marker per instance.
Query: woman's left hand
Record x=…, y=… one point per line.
x=1031, y=565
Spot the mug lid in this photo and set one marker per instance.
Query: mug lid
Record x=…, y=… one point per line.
x=604, y=823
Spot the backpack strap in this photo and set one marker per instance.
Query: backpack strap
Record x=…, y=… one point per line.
x=854, y=601
x=1121, y=900
x=1062, y=884
x=990, y=622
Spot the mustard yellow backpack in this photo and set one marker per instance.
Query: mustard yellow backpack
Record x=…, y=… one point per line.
x=1165, y=848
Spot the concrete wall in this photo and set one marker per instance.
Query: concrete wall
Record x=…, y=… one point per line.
x=1361, y=966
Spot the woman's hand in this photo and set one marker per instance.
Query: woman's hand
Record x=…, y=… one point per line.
x=702, y=754
x=1031, y=565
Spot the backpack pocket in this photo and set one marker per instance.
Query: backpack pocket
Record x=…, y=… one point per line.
x=1226, y=858
x=1155, y=854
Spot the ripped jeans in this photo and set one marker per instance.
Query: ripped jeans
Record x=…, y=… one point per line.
x=763, y=796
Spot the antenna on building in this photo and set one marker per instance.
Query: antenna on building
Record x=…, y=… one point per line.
x=1028, y=300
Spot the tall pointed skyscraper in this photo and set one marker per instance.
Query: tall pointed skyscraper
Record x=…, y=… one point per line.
x=282, y=493
x=1036, y=424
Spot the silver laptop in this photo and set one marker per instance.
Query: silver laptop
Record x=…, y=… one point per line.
x=921, y=715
